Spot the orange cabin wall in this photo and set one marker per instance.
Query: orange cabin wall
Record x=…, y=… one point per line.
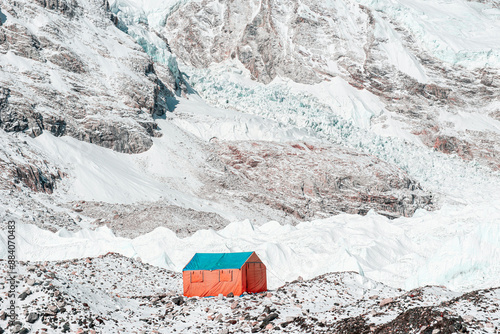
x=255, y=278
x=213, y=283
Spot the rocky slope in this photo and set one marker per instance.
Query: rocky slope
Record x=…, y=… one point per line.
x=115, y=294
x=288, y=182
x=306, y=181
x=68, y=70
x=186, y=183
x=288, y=121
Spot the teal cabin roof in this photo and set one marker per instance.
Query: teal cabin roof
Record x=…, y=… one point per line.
x=215, y=261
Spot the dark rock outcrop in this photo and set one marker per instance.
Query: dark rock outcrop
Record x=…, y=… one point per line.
x=35, y=179
x=86, y=90
x=66, y=7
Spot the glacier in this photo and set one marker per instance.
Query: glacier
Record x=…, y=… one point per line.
x=384, y=108
x=455, y=247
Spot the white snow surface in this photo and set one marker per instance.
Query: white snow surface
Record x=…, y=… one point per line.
x=170, y=168
x=458, y=32
x=151, y=11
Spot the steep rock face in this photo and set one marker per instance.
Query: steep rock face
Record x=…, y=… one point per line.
x=65, y=7
x=25, y=173
x=271, y=38
x=307, y=181
x=67, y=69
x=35, y=179
x=382, y=47
x=21, y=165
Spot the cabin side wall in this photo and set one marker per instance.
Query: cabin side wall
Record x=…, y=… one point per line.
x=256, y=277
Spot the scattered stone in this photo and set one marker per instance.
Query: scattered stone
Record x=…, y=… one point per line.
x=230, y=295
x=220, y=296
x=268, y=319
x=52, y=308
x=32, y=317
x=24, y=294
x=66, y=327
x=386, y=301
x=468, y=318
x=178, y=300
x=16, y=328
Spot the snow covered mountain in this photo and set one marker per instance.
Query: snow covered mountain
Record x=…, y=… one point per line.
x=329, y=136
x=120, y=104
x=432, y=66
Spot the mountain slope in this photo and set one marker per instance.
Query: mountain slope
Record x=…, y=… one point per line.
x=68, y=70
x=103, y=89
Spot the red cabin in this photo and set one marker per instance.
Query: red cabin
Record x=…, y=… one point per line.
x=210, y=274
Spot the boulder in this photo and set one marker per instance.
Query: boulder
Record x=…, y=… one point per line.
x=178, y=300
x=32, y=317
x=386, y=301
